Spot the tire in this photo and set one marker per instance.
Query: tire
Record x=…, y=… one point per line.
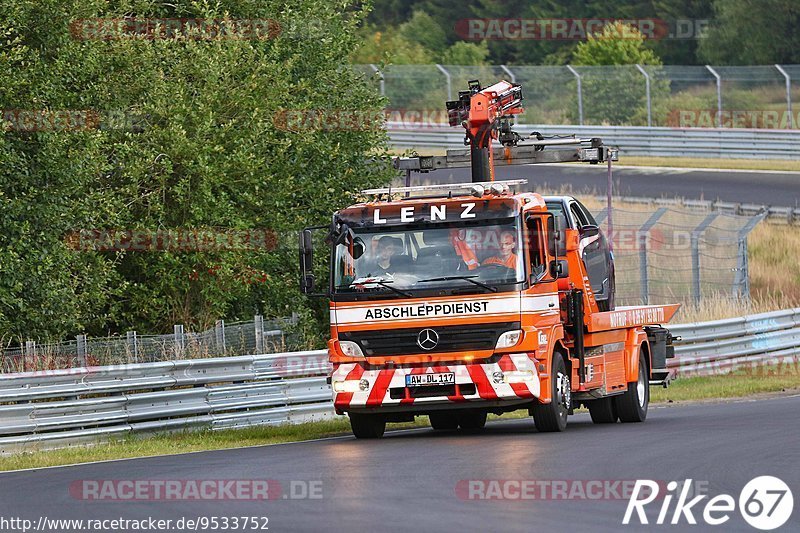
x=367, y=426
x=444, y=420
x=632, y=405
x=552, y=417
x=603, y=411
x=472, y=420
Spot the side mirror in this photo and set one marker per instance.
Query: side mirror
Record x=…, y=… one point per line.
x=589, y=231
x=306, y=261
x=572, y=240
x=559, y=268
x=358, y=248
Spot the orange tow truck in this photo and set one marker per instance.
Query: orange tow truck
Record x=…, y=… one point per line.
x=454, y=301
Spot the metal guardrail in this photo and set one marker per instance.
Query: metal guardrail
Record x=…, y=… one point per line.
x=723, y=346
x=732, y=143
x=50, y=409
x=787, y=215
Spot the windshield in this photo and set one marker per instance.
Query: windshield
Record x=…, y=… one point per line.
x=399, y=262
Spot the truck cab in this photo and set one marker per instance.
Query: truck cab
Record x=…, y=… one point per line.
x=470, y=299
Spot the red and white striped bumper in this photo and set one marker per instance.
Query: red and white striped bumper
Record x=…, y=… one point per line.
x=512, y=379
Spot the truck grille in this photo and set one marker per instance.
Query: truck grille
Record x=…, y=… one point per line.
x=451, y=339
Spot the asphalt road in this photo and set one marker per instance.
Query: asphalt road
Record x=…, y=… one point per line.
x=416, y=479
x=779, y=189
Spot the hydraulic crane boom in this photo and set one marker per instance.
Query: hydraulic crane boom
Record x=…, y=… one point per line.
x=486, y=115
x=480, y=112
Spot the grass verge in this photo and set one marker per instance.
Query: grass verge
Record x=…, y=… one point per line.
x=683, y=390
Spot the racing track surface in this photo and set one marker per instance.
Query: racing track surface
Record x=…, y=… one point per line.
x=780, y=189
x=407, y=481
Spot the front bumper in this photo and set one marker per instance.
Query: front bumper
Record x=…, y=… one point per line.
x=512, y=379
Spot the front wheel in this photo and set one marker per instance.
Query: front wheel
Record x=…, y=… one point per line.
x=367, y=426
x=552, y=417
x=632, y=406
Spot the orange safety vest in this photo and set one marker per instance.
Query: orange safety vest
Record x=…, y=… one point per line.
x=511, y=262
x=463, y=250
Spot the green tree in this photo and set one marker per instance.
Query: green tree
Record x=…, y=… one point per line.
x=616, y=95
x=205, y=147
x=753, y=32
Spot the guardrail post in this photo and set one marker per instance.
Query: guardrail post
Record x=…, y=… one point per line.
x=647, y=93
x=643, y=234
x=382, y=82
x=580, y=93
x=449, y=81
x=258, y=320
x=719, y=95
x=179, y=340
x=80, y=342
x=132, y=345
x=219, y=334
x=788, y=94
x=695, y=241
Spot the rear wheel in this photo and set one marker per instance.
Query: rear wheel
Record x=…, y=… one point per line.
x=443, y=420
x=366, y=426
x=553, y=416
x=602, y=411
x=472, y=420
x=632, y=406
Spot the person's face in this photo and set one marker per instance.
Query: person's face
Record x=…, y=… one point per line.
x=386, y=251
x=506, y=245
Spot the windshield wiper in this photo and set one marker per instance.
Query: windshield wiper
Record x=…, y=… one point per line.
x=465, y=278
x=382, y=283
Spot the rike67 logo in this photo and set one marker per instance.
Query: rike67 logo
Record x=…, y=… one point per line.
x=766, y=503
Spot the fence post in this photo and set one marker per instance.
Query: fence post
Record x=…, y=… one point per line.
x=580, y=93
x=449, y=81
x=643, y=235
x=30, y=350
x=510, y=74
x=742, y=283
x=258, y=321
x=132, y=347
x=179, y=340
x=696, y=233
x=219, y=334
x=80, y=341
x=382, y=82
x=719, y=95
x=647, y=92
x=788, y=94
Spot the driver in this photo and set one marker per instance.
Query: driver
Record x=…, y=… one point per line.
x=387, y=248
x=506, y=257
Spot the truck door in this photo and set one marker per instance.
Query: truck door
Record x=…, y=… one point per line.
x=595, y=253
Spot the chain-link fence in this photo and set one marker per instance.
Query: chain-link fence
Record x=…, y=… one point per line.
x=257, y=336
x=628, y=95
x=672, y=255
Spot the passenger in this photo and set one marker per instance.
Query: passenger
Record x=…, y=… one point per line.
x=506, y=257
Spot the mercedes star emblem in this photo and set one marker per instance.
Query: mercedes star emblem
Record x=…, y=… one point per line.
x=428, y=339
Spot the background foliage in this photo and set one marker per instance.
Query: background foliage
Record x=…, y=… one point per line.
x=199, y=148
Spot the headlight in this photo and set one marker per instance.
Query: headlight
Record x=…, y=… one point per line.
x=519, y=377
x=509, y=339
x=351, y=349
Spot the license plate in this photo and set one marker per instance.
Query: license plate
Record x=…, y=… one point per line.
x=423, y=380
